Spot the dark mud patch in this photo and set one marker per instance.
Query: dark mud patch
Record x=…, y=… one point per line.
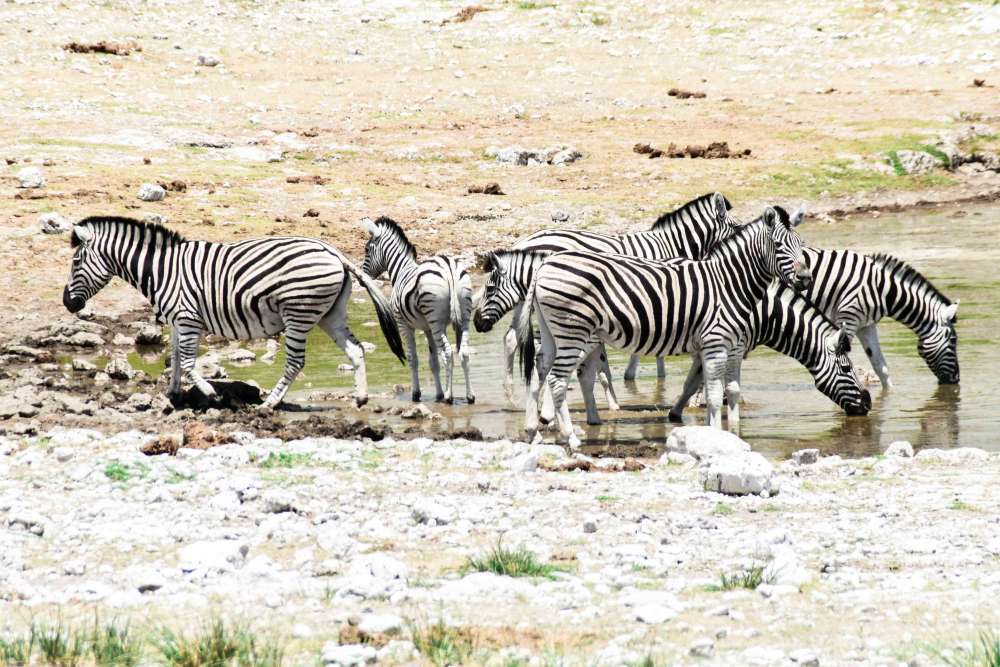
x=313, y=426
x=110, y=48
x=232, y=395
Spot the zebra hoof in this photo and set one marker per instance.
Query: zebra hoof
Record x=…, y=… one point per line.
x=471, y=400
x=441, y=399
x=415, y=396
x=360, y=401
x=544, y=421
x=675, y=417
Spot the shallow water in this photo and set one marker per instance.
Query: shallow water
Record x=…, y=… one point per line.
x=958, y=249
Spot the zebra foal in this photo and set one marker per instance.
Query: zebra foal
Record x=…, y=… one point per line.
x=426, y=295
x=583, y=299
x=249, y=289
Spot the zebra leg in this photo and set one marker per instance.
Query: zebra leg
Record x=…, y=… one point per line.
x=692, y=383
x=335, y=326
x=868, y=336
x=733, y=366
x=509, y=348
x=295, y=359
x=538, y=384
x=187, y=353
x=411, y=353
x=661, y=368
x=632, y=369
x=586, y=373
x=435, y=364
x=446, y=354
x=565, y=362
x=174, y=390
x=462, y=343
x=714, y=362
x=605, y=377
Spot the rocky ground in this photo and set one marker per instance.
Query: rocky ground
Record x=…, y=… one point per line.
x=472, y=126
x=349, y=551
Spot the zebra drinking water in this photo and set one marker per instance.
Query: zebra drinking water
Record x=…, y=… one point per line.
x=249, y=289
x=858, y=290
x=688, y=231
x=427, y=295
x=648, y=307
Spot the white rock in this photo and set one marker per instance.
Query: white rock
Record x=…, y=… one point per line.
x=349, y=655
x=523, y=463
x=376, y=575
x=427, y=511
x=384, y=624
x=205, y=60
x=654, y=614
x=704, y=442
x=702, y=648
x=241, y=356
x=75, y=568
x=53, y=223
x=277, y=501
x=212, y=556
x=30, y=177
x=805, y=457
x=739, y=475
x=804, y=657
x=900, y=448
x=958, y=455
x=151, y=192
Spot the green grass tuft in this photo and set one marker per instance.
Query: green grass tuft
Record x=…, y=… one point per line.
x=961, y=506
x=897, y=166
x=984, y=653
x=511, y=563
x=115, y=646
x=59, y=645
x=120, y=472
x=219, y=645
x=722, y=509
x=285, y=460
x=442, y=644
x=750, y=579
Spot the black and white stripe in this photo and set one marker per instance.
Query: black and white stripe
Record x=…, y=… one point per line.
x=789, y=323
x=857, y=291
x=648, y=307
x=427, y=295
x=244, y=290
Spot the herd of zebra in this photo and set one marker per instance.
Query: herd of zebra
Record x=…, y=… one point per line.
x=699, y=282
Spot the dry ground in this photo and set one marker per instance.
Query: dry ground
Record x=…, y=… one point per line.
x=395, y=105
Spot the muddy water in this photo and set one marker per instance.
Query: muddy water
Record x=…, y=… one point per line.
x=959, y=249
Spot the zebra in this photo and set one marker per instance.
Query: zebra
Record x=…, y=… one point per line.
x=248, y=289
x=426, y=295
x=858, y=290
x=688, y=231
x=586, y=298
x=510, y=274
x=788, y=322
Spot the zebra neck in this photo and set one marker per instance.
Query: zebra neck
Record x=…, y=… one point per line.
x=400, y=267
x=145, y=266
x=910, y=303
x=787, y=323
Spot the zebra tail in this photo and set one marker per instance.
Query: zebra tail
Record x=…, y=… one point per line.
x=386, y=318
x=456, y=298
x=525, y=336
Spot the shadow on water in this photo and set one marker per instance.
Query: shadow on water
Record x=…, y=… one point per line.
x=783, y=412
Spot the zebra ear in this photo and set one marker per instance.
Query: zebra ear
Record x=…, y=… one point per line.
x=81, y=235
x=950, y=311
x=370, y=227
x=770, y=217
x=485, y=261
x=843, y=342
x=798, y=217
x=722, y=206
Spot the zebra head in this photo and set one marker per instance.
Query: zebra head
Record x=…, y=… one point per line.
x=938, y=346
x=500, y=294
x=836, y=378
x=789, y=262
x=386, y=244
x=89, y=272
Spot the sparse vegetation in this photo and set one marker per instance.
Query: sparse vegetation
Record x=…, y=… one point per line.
x=62, y=645
x=511, y=563
x=961, y=506
x=749, y=578
x=984, y=652
x=443, y=644
x=218, y=645
x=121, y=472
x=722, y=509
x=285, y=460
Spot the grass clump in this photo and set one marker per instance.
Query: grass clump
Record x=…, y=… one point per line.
x=985, y=652
x=897, y=165
x=218, y=645
x=285, y=460
x=722, y=509
x=749, y=578
x=59, y=645
x=115, y=646
x=511, y=563
x=442, y=644
x=117, y=471
x=961, y=506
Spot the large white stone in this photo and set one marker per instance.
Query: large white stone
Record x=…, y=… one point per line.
x=375, y=575
x=212, y=556
x=349, y=655
x=705, y=442
x=739, y=474
x=900, y=448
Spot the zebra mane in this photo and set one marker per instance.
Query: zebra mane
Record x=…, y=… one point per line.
x=393, y=227
x=145, y=229
x=907, y=274
x=490, y=261
x=670, y=217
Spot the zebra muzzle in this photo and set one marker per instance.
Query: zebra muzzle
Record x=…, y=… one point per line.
x=74, y=304
x=482, y=325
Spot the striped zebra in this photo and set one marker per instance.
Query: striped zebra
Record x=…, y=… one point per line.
x=427, y=295
x=689, y=232
x=648, y=307
x=789, y=323
x=510, y=274
x=249, y=289
x=858, y=290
